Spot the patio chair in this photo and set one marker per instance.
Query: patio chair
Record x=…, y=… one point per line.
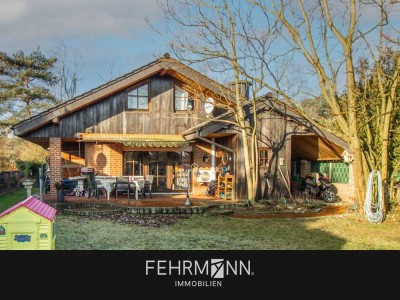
x=100, y=187
x=122, y=184
x=145, y=185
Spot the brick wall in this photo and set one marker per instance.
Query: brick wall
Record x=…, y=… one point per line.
x=106, y=159
x=55, y=162
x=97, y=157
x=116, y=158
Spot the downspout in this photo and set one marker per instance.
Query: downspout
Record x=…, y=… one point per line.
x=213, y=143
x=213, y=155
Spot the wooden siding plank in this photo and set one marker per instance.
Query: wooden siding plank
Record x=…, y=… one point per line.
x=109, y=115
x=95, y=96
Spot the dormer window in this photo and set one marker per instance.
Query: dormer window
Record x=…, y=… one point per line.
x=138, y=98
x=183, y=99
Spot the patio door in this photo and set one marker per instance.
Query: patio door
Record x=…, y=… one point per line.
x=168, y=168
x=180, y=163
x=158, y=167
x=133, y=163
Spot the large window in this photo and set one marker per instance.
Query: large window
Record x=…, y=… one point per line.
x=138, y=98
x=183, y=100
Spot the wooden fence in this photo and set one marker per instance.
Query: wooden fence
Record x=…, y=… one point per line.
x=10, y=180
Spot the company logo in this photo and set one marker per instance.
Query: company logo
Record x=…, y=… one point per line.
x=215, y=269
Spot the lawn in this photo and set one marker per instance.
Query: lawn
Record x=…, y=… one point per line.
x=346, y=232
x=12, y=198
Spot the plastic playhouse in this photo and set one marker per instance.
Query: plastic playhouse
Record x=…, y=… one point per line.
x=28, y=225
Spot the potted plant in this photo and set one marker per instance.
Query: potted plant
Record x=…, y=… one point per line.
x=27, y=181
x=59, y=185
x=26, y=169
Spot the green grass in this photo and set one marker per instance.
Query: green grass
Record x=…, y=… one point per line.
x=348, y=232
x=14, y=197
x=220, y=233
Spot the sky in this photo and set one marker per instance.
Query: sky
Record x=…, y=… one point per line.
x=109, y=38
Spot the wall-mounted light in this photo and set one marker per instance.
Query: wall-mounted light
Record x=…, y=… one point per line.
x=206, y=158
x=230, y=157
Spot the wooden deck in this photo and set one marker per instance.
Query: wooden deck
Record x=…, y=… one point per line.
x=156, y=201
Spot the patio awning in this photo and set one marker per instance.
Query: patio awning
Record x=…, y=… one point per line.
x=137, y=140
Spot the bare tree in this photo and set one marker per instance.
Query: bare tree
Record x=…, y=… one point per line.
x=110, y=71
x=67, y=72
x=325, y=37
x=267, y=41
x=215, y=33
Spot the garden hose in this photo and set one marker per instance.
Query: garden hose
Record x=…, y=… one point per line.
x=373, y=209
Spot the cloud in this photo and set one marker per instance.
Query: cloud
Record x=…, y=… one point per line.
x=98, y=32
x=48, y=19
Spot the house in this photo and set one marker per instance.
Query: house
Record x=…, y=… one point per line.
x=160, y=120
x=28, y=225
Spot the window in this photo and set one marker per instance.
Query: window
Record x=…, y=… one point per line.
x=183, y=100
x=264, y=157
x=133, y=163
x=138, y=98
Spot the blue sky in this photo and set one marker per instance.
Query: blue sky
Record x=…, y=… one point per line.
x=109, y=38
x=102, y=34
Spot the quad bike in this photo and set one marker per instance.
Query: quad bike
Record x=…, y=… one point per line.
x=317, y=185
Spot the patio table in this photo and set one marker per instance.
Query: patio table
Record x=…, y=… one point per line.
x=109, y=184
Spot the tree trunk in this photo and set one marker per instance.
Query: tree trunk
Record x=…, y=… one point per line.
x=246, y=153
x=249, y=178
x=359, y=179
x=385, y=173
x=254, y=158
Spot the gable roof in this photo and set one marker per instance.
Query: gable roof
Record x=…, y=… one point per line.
x=286, y=110
x=262, y=102
x=163, y=65
x=35, y=205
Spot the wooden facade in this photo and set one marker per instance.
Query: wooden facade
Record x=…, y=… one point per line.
x=110, y=115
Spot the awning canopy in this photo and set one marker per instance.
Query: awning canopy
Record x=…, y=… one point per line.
x=137, y=140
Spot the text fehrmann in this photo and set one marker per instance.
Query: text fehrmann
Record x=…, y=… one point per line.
x=215, y=268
